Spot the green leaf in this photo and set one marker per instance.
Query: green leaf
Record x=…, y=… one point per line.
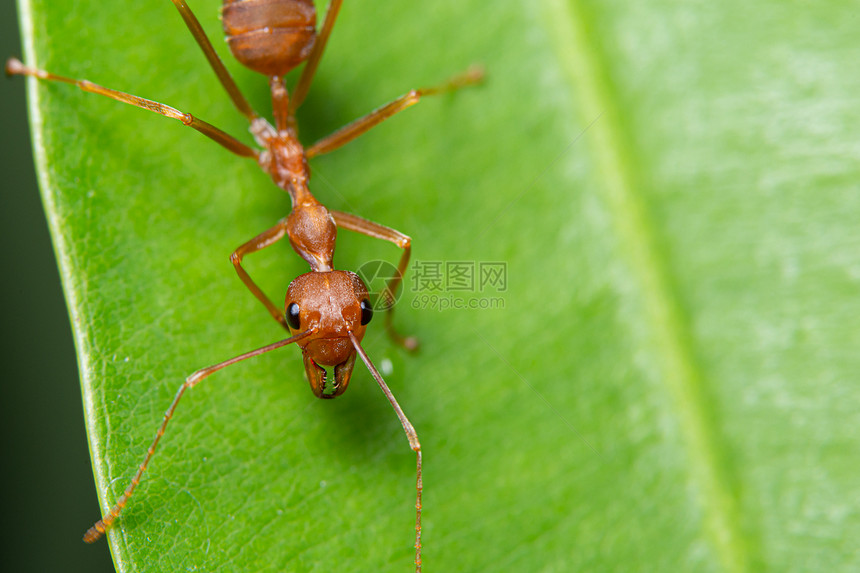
x=668, y=384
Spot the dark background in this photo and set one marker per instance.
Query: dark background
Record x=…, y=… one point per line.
x=48, y=494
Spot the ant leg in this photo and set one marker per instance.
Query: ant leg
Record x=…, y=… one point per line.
x=377, y=231
x=217, y=65
x=347, y=133
x=261, y=241
x=97, y=530
x=15, y=67
x=411, y=435
x=304, y=83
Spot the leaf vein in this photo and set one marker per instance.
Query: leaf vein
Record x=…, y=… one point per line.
x=580, y=59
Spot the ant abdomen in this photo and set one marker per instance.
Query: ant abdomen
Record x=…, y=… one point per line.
x=270, y=36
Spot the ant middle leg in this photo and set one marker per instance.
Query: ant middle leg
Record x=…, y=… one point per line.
x=364, y=124
x=14, y=67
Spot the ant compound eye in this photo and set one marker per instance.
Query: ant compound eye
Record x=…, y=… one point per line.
x=293, y=316
x=366, y=311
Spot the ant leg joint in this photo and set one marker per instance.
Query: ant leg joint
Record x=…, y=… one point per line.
x=262, y=131
x=187, y=119
x=192, y=380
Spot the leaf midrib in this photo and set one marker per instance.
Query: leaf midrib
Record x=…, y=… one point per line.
x=584, y=69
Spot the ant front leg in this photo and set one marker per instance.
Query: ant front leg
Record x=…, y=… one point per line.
x=261, y=241
x=377, y=231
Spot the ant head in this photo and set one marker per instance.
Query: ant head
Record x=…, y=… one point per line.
x=332, y=304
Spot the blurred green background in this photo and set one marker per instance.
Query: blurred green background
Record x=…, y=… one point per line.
x=49, y=496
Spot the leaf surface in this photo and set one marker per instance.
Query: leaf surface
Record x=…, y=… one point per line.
x=666, y=380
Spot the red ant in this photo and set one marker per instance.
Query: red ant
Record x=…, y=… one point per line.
x=326, y=310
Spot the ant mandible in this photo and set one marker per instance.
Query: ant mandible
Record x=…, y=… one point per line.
x=326, y=310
